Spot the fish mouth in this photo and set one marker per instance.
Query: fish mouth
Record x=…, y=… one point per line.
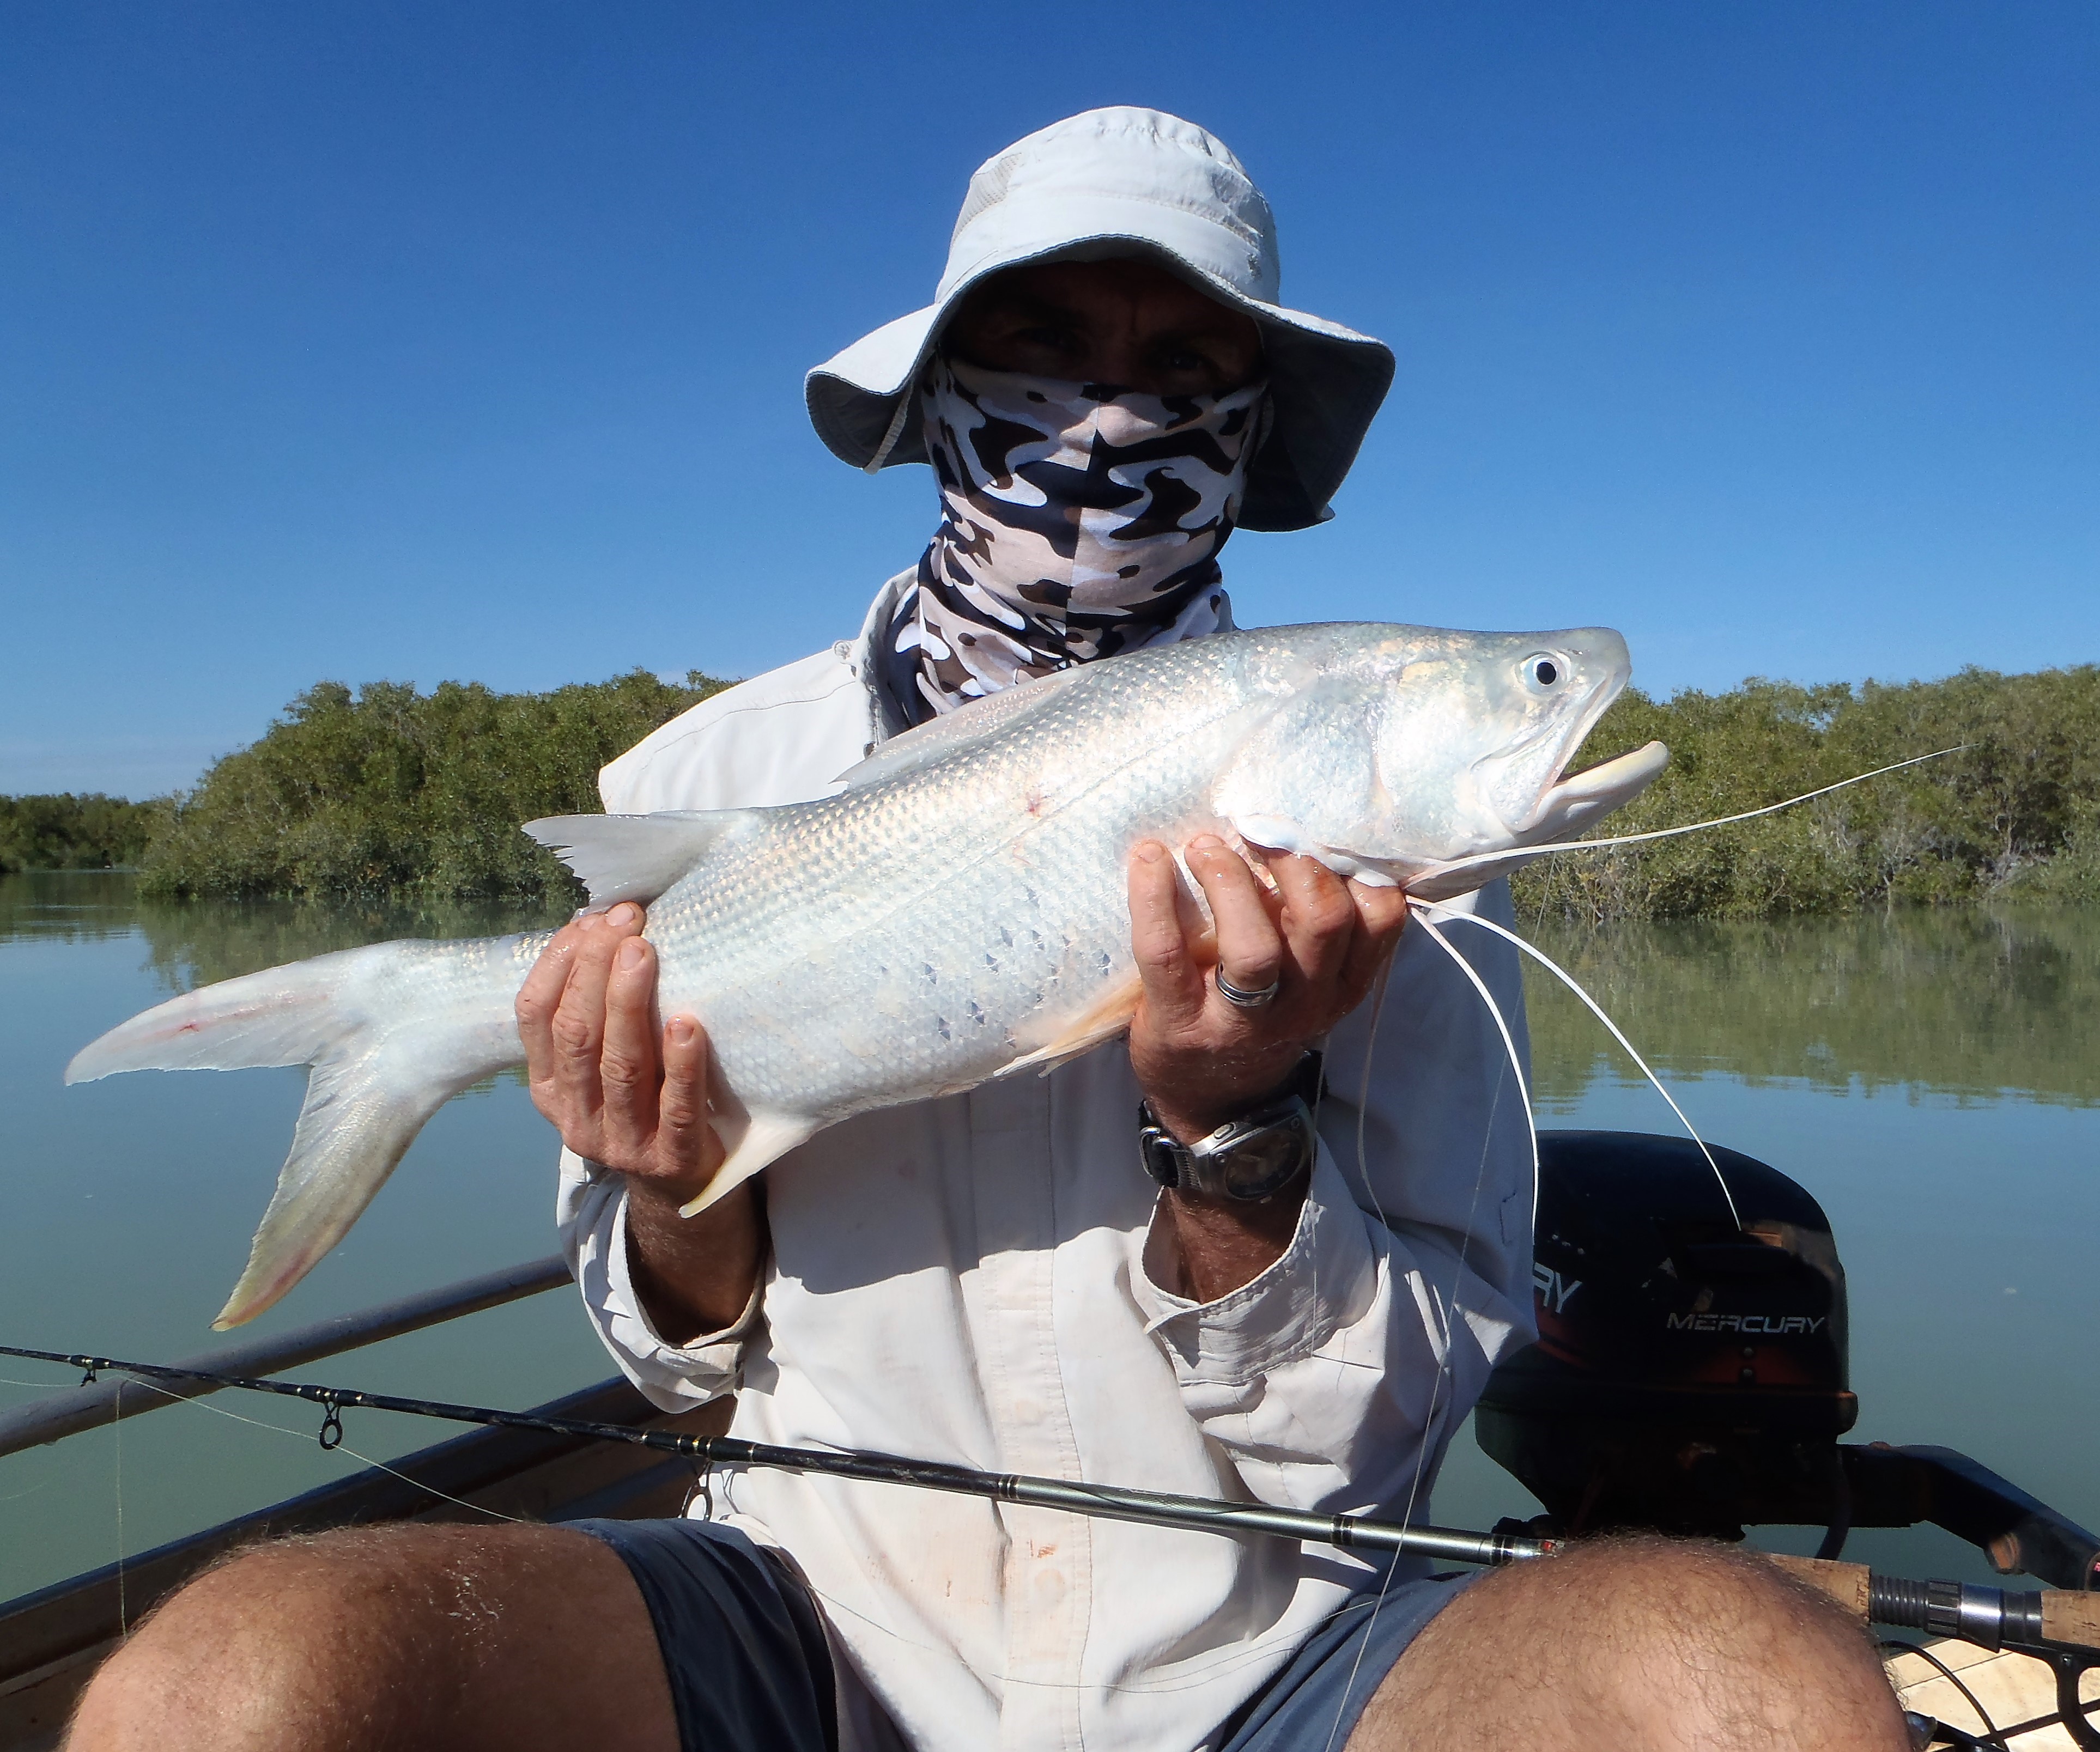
x=1577, y=798
x=1570, y=804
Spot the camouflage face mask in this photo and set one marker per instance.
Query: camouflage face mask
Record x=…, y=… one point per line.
x=1078, y=520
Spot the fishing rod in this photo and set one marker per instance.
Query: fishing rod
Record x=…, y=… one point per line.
x=1109, y=1502
x=2062, y=1627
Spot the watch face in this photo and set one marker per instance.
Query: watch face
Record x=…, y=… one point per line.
x=1254, y=1167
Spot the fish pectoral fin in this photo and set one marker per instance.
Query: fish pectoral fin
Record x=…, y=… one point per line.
x=754, y=1140
x=1279, y=833
x=1100, y=1023
x=636, y=857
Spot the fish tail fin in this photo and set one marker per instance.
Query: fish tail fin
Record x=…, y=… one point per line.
x=362, y=1110
x=383, y=1055
x=285, y=1015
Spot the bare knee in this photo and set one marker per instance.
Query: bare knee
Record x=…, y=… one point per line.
x=1639, y=1642
x=348, y=1639
x=265, y=1648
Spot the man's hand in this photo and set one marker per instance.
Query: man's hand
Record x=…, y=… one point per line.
x=618, y=1093
x=1202, y=1061
x=633, y=1098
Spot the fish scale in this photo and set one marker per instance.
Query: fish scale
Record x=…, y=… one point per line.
x=966, y=853
x=958, y=911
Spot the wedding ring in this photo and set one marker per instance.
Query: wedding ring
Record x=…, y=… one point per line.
x=1238, y=997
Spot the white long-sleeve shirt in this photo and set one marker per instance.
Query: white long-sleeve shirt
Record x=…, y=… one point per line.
x=964, y=1280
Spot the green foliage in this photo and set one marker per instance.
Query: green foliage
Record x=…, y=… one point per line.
x=390, y=790
x=2015, y=815
x=65, y=832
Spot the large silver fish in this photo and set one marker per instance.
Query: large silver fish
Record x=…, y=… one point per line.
x=955, y=912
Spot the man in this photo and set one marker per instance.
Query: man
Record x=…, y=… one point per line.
x=1105, y=385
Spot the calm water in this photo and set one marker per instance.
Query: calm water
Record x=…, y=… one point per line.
x=1931, y=1078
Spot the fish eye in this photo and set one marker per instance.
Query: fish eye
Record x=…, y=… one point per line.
x=1542, y=671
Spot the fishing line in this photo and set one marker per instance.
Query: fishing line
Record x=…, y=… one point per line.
x=1363, y=1113
x=1364, y=1086
x=1422, y=911
x=1444, y=1361
x=1109, y=1502
x=1694, y=827
x=340, y=1447
x=116, y=1423
x=1426, y=907
x=1364, y=1174
x=1190, y=1676
x=279, y=1429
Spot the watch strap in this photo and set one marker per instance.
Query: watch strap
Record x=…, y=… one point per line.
x=1253, y=1157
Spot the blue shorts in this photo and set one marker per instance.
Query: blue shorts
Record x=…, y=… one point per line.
x=751, y=1671
x=1312, y=1704
x=742, y=1645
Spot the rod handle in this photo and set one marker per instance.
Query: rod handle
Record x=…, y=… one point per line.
x=2071, y=1618
x=1847, y=1584
x=2067, y=1616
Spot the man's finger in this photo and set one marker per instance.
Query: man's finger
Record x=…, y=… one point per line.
x=1381, y=917
x=579, y=1025
x=1250, y=947
x=537, y=999
x=1173, y=983
x=1319, y=919
x=685, y=1144
x=628, y=1073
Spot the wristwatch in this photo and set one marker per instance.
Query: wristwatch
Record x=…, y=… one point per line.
x=1254, y=1157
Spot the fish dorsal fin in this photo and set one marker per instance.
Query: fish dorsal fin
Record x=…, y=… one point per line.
x=636, y=857
x=957, y=729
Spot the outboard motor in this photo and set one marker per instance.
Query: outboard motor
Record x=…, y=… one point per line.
x=1690, y=1369
x=1691, y=1373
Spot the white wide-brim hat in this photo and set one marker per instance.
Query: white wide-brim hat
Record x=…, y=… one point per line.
x=1121, y=183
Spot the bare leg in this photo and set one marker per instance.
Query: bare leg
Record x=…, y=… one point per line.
x=1625, y=1646
x=463, y=1637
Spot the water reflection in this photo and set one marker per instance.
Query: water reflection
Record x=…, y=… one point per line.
x=192, y=943
x=1976, y=1004
x=1926, y=1077
x=1929, y=1077
x=66, y=906
x=131, y=1202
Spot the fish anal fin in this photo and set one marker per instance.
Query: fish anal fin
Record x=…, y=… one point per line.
x=755, y=1140
x=636, y=857
x=1101, y=1021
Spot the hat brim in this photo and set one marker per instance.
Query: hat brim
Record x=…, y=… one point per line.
x=1325, y=384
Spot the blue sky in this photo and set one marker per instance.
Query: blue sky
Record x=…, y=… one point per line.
x=465, y=340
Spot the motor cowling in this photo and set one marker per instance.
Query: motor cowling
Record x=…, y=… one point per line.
x=1691, y=1372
